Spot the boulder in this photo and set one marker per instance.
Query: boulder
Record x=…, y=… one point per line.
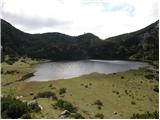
x=65, y=112
x=33, y=104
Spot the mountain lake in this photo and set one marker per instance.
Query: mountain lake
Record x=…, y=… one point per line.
x=69, y=69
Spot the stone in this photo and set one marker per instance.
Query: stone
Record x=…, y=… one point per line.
x=115, y=113
x=62, y=117
x=40, y=107
x=65, y=112
x=33, y=104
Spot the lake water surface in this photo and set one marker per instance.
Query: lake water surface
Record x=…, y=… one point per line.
x=64, y=70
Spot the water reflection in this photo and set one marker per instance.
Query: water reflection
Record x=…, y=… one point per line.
x=64, y=70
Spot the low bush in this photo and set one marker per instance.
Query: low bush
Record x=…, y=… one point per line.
x=126, y=91
x=150, y=76
x=12, y=108
x=50, y=85
x=65, y=105
x=147, y=115
x=156, y=88
x=62, y=91
x=133, y=103
x=98, y=102
x=99, y=116
x=46, y=94
x=122, y=77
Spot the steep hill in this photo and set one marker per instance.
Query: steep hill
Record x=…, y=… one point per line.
x=139, y=45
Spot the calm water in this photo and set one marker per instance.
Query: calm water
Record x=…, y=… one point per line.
x=64, y=70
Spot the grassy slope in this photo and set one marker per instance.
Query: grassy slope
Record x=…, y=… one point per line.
x=140, y=91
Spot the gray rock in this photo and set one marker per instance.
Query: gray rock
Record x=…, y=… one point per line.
x=33, y=104
x=65, y=112
x=62, y=117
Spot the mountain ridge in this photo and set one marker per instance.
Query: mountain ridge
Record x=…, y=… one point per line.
x=139, y=45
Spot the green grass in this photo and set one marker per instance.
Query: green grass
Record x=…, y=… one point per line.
x=133, y=87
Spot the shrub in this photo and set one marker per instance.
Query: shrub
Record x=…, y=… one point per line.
x=126, y=91
x=133, y=103
x=65, y=105
x=156, y=88
x=23, y=61
x=82, y=84
x=50, y=85
x=99, y=107
x=122, y=77
x=90, y=84
x=117, y=92
x=77, y=116
x=62, y=91
x=12, y=108
x=99, y=115
x=86, y=86
x=98, y=102
x=46, y=94
x=147, y=115
x=150, y=76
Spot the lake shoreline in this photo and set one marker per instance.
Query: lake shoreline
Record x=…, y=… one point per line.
x=110, y=89
x=71, y=69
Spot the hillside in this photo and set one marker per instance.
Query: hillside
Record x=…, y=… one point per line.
x=139, y=45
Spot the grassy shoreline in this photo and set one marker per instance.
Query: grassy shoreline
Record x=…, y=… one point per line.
x=122, y=94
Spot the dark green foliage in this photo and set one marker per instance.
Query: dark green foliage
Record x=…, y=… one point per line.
x=147, y=115
x=86, y=86
x=65, y=105
x=122, y=77
x=133, y=103
x=12, y=108
x=115, y=92
x=99, y=116
x=150, y=76
x=11, y=72
x=156, y=88
x=57, y=46
x=62, y=91
x=99, y=107
x=99, y=104
x=77, y=116
x=126, y=91
x=46, y=94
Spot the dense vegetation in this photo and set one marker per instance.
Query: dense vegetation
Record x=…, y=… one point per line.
x=13, y=108
x=139, y=45
x=65, y=105
x=147, y=115
x=46, y=94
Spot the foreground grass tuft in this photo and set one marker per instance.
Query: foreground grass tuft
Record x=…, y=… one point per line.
x=147, y=115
